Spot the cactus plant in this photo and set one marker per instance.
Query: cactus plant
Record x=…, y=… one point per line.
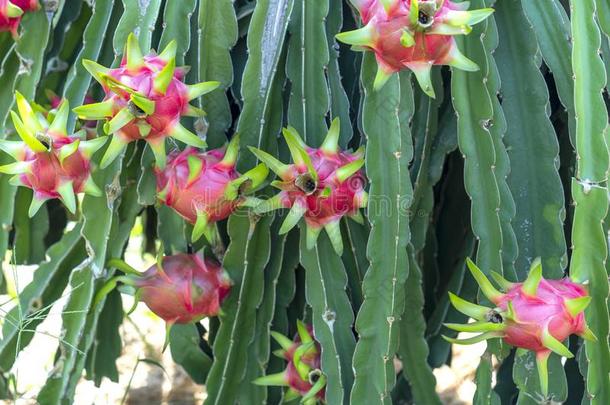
x=316, y=169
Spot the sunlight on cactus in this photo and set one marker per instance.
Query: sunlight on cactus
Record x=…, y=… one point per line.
x=317, y=169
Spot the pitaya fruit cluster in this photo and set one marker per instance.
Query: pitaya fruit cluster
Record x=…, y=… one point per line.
x=145, y=99
x=413, y=34
x=322, y=185
x=49, y=161
x=182, y=288
x=303, y=375
x=535, y=315
x=204, y=187
x=11, y=12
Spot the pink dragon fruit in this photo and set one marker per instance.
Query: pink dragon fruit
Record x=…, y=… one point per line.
x=11, y=12
x=535, y=315
x=303, y=375
x=145, y=99
x=322, y=185
x=204, y=187
x=413, y=34
x=51, y=163
x=181, y=288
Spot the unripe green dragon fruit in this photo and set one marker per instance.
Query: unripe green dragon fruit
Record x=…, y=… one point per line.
x=11, y=12
x=415, y=35
x=535, y=315
x=303, y=375
x=322, y=185
x=49, y=161
x=145, y=99
x=204, y=187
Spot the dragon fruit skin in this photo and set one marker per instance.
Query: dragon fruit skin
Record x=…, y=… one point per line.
x=413, y=34
x=322, y=186
x=51, y=163
x=11, y=12
x=303, y=375
x=204, y=187
x=183, y=288
x=535, y=315
x=145, y=99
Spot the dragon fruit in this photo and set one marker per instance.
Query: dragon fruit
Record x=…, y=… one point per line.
x=322, y=185
x=535, y=315
x=49, y=161
x=11, y=12
x=145, y=99
x=413, y=34
x=204, y=187
x=303, y=375
x=182, y=288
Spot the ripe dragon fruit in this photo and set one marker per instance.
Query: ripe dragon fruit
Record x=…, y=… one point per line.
x=182, y=288
x=51, y=163
x=204, y=187
x=303, y=375
x=145, y=99
x=11, y=12
x=535, y=315
x=413, y=34
x=322, y=185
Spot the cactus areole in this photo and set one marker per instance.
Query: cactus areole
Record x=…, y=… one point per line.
x=204, y=187
x=145, y=99
x=322, y=186
x=48, y=160
x=535, y=315
x=413, y=34
x=11, y=12
x=303, y=375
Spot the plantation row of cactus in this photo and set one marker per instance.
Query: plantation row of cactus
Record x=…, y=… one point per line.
x=336, y=193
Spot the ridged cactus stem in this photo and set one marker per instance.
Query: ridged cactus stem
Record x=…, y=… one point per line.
x=590, y=190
